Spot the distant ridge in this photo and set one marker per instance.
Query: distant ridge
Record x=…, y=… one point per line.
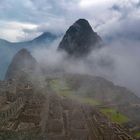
x=45, y=37
x=9, y=49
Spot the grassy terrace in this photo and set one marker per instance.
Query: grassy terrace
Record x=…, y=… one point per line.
x=137, y=135
x=114, y=115
x=63, y=90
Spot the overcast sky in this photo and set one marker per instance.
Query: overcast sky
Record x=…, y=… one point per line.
x=24, y=19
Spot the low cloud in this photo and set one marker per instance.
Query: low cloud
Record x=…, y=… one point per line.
x=118, y=62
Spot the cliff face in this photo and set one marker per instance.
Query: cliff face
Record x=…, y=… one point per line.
x=22, y=62
x=80, y=39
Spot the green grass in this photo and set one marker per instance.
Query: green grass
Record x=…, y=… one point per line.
x=63, y=90
x=58, y=85
x=89, y=101
x=114, y=115
x=80, y=99
x=137, y=134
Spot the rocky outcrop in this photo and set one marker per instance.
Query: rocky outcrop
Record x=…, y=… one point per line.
x=80, y=39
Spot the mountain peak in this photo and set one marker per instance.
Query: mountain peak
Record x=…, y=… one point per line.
x=80, y=39
x=82, y=22
x=45, y=37
x=23, y=55
x=22, y=61
x=23, y=51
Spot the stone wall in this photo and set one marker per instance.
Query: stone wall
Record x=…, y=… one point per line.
x=12, y=110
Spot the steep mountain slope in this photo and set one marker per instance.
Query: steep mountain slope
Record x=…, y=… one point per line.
x=9, y=49
x=101, y=89
x=80, y=39
x=22, y=62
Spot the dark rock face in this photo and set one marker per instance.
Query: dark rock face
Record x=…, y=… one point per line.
x=22, y=62
x=80, y=39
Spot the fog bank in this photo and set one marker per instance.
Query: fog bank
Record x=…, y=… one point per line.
x=118, y=61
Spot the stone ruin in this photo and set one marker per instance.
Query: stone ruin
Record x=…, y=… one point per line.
x=47, y=116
